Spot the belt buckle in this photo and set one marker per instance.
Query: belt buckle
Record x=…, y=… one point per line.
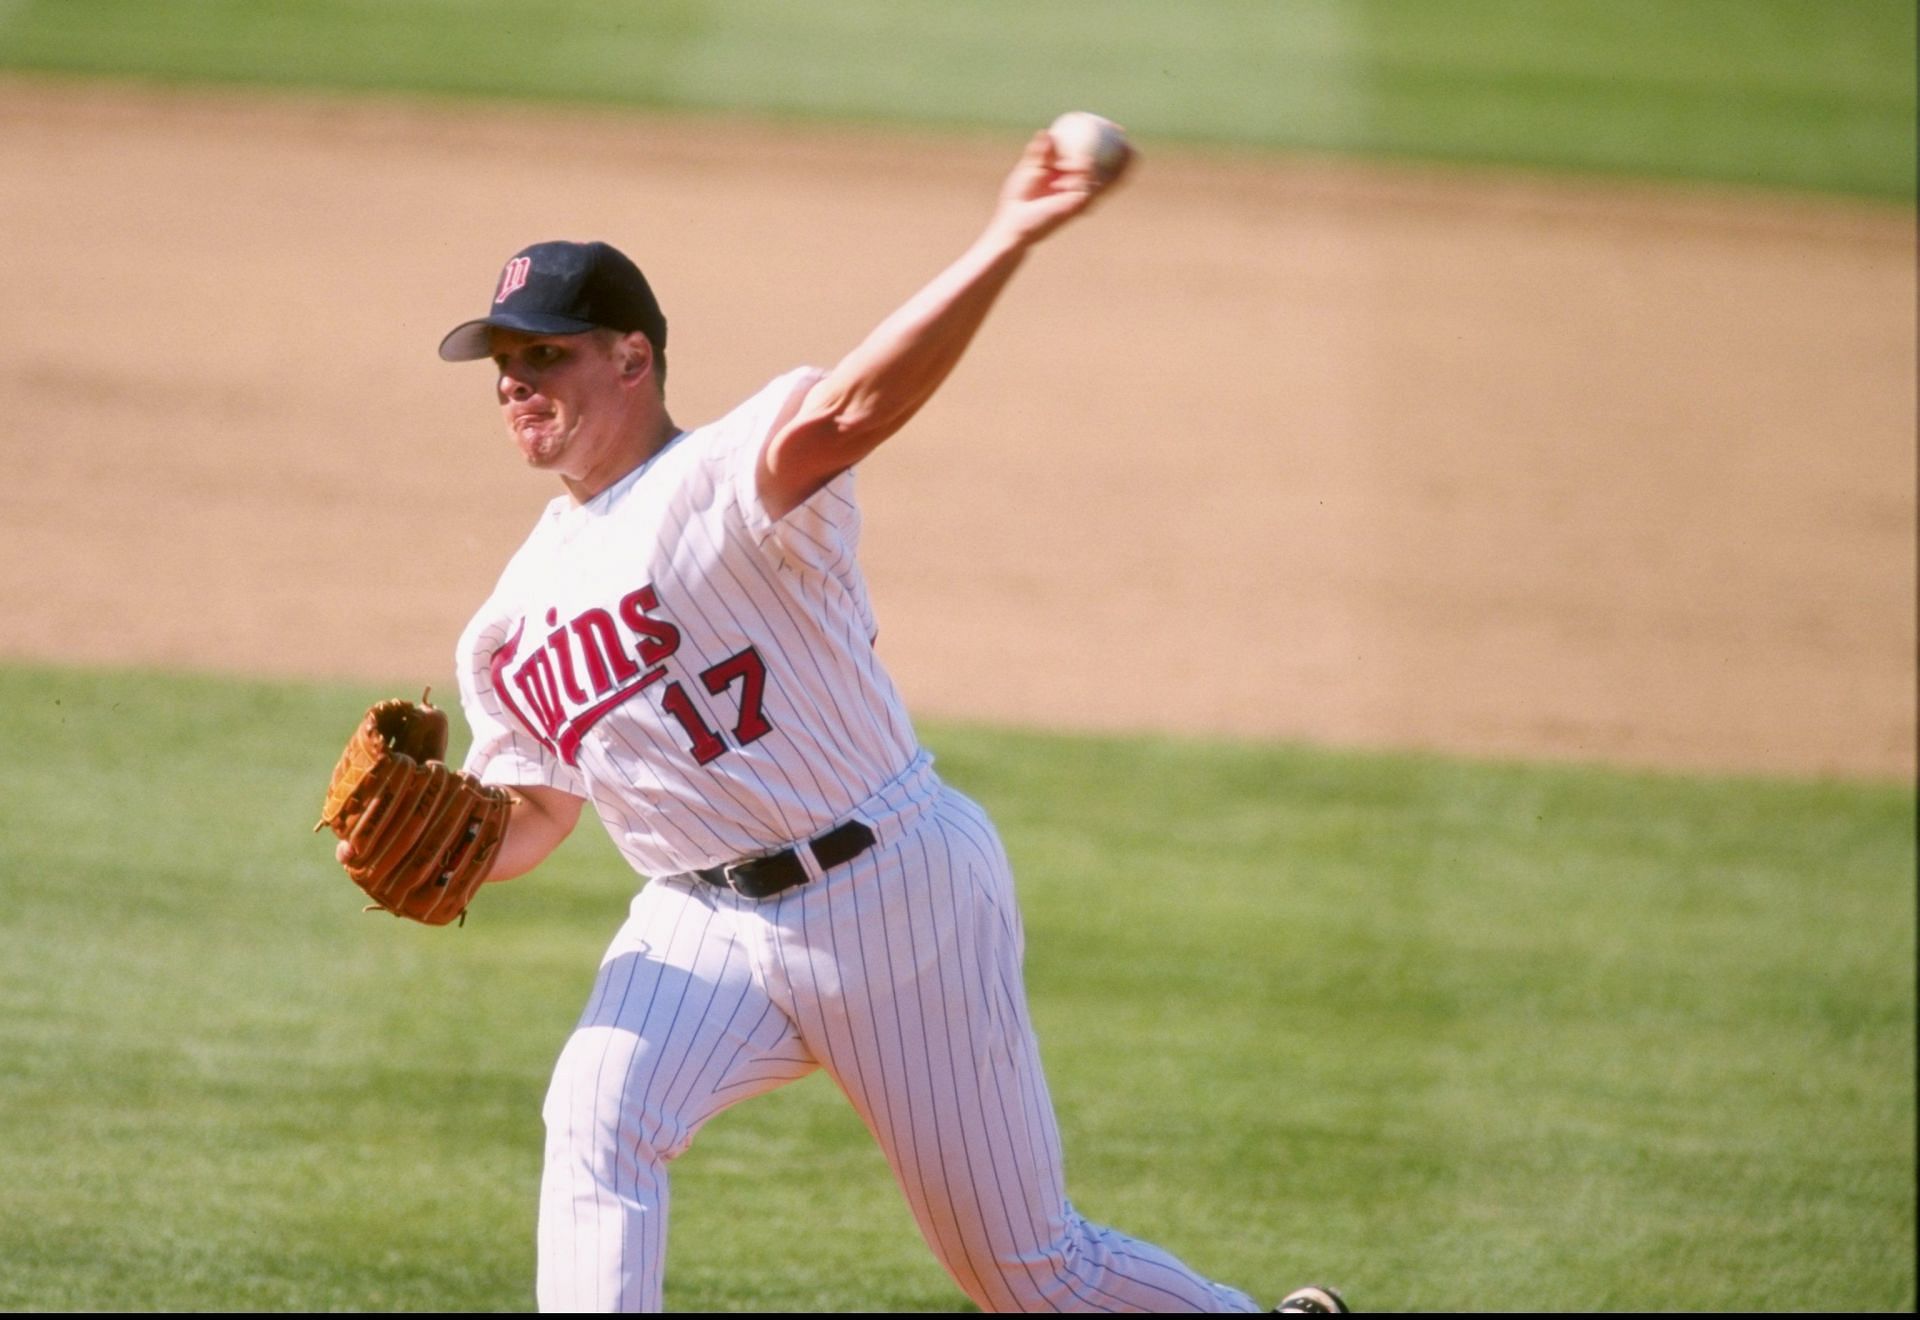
x=734, y=872
x=729, y=874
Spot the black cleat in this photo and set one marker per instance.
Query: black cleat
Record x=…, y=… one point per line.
x=1312, y=1300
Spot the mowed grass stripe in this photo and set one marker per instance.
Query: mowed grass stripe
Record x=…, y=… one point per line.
x=1451, y=1035
x=1798, y=93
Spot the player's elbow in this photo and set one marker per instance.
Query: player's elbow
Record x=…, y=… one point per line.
x=853, y=420
x=820, y=443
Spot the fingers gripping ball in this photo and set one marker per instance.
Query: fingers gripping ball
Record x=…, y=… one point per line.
x=1090, y=144
x=420, y=837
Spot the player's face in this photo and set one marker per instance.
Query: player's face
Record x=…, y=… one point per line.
x=562, y=398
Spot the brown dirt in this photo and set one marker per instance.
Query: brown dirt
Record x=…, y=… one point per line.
x=1493, y=464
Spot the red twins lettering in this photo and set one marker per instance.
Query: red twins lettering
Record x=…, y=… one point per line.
x=585, y=670
x=662, y=638
x=535, y=681
x=562, y=650
x=588, y=667
x=600, y=648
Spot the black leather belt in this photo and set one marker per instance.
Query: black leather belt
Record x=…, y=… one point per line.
x=763, y=877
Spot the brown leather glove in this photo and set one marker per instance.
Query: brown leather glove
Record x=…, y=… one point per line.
x=420, y=837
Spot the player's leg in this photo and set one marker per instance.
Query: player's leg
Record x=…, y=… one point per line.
x=906, y=976
x=677, y=1029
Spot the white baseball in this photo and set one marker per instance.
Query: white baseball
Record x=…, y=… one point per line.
x=1086, y=141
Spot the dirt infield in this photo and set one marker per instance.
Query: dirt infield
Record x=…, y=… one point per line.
x=1481, y=463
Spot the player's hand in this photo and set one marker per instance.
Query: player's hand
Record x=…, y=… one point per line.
x=1043, y=193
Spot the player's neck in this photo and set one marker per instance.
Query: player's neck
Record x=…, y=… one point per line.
x=646, y=441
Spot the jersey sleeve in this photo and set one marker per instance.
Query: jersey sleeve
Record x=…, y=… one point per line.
x=503, y=751
x=820, y=535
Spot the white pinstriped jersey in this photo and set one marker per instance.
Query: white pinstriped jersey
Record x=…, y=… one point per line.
x=705, y=676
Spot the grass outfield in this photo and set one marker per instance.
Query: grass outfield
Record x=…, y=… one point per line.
x=1798, y=93
x=1449, y=1035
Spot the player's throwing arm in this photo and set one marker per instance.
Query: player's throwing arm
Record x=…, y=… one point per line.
x=876, y=389
x=685, y=639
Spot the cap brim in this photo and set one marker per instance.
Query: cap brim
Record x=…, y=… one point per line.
x=470, y=341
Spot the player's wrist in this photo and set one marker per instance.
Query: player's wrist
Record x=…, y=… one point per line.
x=1003, y=240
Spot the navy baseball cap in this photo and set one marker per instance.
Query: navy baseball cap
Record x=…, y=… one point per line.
x=563, y=289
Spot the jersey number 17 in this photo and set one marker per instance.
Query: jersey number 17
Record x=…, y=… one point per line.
x=743, y=667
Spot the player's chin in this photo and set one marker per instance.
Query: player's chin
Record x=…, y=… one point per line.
x=540, y=446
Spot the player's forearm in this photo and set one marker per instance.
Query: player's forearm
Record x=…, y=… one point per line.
x=540, y=821
x=884, y=381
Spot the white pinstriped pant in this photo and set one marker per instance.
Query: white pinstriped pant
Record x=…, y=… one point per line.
x=897, y=972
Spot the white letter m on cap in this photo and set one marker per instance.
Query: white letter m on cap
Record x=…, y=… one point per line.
x=513, y=277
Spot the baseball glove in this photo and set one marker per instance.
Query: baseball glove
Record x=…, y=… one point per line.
x=420, y=837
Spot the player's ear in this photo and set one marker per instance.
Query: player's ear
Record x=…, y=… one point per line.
x=636, y=355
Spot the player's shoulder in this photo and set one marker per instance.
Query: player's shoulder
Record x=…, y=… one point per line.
x=750, y=422
x=771, y=399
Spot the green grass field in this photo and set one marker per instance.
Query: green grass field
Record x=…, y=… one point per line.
x=1451, y=1035
x=1792, y=93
